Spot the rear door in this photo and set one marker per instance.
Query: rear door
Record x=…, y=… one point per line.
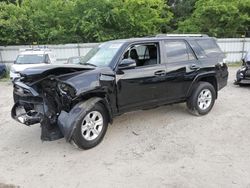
x=182, y=66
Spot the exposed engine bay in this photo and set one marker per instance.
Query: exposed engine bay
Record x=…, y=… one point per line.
x=44, y=105
x=41, y=100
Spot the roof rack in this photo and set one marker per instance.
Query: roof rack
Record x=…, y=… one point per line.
x=181, y=35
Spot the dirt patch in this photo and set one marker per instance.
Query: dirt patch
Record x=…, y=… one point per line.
x=163, y=147
x=8, y=186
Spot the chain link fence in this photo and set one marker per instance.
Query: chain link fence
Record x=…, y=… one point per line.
x=234, y=48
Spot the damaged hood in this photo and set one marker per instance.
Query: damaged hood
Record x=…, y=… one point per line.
x=88, y=80
x=45, y=70
x=82, y=77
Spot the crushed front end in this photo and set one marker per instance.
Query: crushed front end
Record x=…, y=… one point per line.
x=243, y=74
x=41, y=102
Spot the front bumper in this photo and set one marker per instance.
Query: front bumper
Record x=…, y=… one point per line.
x=31, y=108
x=25, y=116
x=243, y=76
x=28, y=108
x=244, y=82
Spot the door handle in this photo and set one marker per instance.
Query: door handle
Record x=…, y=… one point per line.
x=194, y=67
x=160, y=73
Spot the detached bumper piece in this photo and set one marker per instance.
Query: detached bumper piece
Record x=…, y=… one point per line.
x=24, y=115
x=31, y=108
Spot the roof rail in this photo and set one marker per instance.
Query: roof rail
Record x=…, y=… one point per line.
x=181, y=35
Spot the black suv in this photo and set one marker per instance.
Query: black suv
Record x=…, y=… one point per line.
x=79, y=101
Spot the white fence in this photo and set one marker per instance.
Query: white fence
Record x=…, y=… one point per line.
x=8, y=54
x=234, y=48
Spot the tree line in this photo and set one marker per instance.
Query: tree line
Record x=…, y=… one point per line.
x=74, y=21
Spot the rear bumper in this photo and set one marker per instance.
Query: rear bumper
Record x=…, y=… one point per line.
x=222, y=76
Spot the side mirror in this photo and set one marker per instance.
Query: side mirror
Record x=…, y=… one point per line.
x=15, y=62
x=127, y=64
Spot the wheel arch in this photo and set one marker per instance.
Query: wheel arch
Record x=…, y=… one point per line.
x=67, y=121
x=102, y=97
x=208, y=77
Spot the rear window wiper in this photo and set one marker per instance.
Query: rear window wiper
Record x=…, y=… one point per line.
x=88, y=64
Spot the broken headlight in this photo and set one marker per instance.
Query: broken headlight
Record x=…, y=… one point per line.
x=66, y=89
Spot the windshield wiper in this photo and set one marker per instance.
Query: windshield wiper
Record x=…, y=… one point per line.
x=88, y=64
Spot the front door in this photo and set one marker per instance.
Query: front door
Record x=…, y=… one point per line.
x=140, y=86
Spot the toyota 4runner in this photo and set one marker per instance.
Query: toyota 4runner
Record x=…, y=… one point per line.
x=79, y=101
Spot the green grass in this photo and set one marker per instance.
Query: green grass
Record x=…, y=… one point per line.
x=6, y=77
x=235, y=64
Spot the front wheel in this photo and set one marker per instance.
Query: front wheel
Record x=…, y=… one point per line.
x=91, y=129
x=202, y=99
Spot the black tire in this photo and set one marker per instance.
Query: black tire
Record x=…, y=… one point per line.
x=78, y=137
x=193, y=103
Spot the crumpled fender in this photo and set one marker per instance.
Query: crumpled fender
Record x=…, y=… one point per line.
x=67, y=122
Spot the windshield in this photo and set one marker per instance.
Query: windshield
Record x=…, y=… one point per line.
x=30, y=59
x=101, y=55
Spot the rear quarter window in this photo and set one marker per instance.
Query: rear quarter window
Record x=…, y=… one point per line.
x=210, y=47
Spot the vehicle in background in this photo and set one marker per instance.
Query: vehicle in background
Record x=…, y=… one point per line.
x=31, y=57
x=74, y=60
x=79, y=101
x=243, y=74
x=2, y=70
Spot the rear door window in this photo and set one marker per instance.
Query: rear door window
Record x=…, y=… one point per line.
x=178, y=51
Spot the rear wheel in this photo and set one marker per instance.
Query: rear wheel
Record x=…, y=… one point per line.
x=91, y=129
x=202, y=99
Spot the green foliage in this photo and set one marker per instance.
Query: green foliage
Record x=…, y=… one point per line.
x=219, y=18
x=61, y=21
x=105, y=20
x=182, y=9
x=71, y=21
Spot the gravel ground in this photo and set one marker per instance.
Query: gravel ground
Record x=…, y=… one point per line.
x=163, y=147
